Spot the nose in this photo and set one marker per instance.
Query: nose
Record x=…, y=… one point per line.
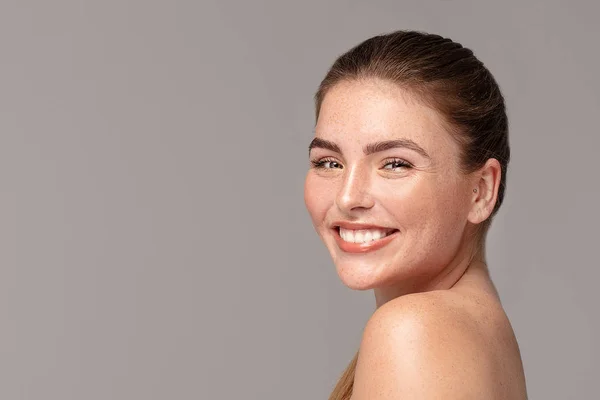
x=355, y=192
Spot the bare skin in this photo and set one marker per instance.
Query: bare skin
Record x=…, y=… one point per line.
x=387, y=196
x=452, y=343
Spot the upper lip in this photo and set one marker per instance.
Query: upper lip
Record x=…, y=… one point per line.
x=358, y=225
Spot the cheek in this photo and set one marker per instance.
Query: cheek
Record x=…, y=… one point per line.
x=317, y=198
x=411, y=202
x=445, y=216
x=431, y=207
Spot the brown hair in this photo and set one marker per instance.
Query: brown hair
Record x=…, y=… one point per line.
x=449, y=78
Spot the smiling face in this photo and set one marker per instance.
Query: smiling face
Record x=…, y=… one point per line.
x=385, y=192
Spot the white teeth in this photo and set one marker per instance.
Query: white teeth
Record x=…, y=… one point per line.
x=359, y=237
x=363, y=235
x=347, y=235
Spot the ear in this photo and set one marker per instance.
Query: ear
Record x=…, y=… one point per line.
x=487, y=183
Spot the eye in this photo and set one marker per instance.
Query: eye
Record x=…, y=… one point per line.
x=396, y=164
x=326, y=163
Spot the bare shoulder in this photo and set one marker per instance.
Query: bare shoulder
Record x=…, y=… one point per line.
x=439, y=344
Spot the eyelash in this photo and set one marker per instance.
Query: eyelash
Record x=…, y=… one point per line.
x=320, y=164
x=399, y=161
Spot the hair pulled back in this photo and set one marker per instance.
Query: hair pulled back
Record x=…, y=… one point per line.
x=447, y=77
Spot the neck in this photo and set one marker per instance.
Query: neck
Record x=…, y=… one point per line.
x=467, y=266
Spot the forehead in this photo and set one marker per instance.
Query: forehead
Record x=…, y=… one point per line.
x=362, y=111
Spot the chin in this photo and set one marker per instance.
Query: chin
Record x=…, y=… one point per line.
x=359, y=276
x=356, y=284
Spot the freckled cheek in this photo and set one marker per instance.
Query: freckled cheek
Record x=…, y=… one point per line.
x=444, y=209
x=318, y=197
x=418, y=207
x=407, y=201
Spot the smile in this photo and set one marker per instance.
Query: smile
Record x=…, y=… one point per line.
x=363, y=235
x=363, y=240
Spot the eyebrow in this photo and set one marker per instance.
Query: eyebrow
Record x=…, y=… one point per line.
x=371, y=148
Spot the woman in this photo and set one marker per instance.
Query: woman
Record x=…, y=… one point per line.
x=408, y=167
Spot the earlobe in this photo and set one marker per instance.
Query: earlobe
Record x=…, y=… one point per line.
x=485, y=194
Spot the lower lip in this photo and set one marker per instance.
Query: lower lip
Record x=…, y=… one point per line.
x=362, y=247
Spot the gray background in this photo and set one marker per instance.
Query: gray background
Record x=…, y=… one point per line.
x=154, y=241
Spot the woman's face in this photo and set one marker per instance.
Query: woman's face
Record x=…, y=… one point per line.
x=384, y=191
